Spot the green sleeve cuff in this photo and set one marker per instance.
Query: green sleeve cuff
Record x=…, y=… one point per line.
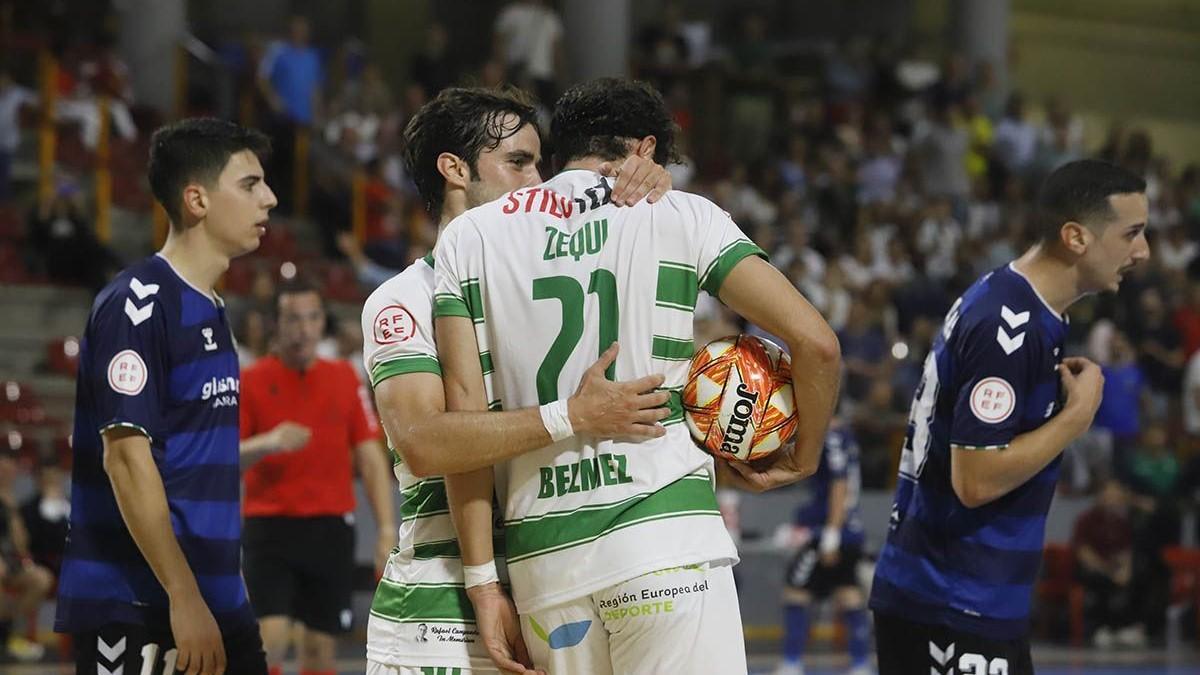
x=415, y=363
x=725, y=262
x=449, y=305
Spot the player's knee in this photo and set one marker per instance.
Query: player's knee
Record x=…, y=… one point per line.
x=43, y=580
x=850, y=598
x=317, y=646
x=796, y=596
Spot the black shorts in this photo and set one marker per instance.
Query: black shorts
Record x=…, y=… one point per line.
x=905, y=647
x=806, y=573
x=301, y=568
x=121, y=648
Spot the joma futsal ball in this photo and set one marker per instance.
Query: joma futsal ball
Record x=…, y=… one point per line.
x=738, y=400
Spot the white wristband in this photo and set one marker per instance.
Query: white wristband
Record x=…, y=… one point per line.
x=831, y=540
x=556, y=420
x=479, y=575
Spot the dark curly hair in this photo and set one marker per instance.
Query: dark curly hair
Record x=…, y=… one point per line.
x=196, y=150
x=463, y=122
x=601, y=117
x=1078, y=191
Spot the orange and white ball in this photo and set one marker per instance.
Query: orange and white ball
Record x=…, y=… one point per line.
x=738, y=401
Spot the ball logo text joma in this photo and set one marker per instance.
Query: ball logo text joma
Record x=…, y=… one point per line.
x=735, y=431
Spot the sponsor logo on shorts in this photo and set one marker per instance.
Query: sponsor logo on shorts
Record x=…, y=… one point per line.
x=427, y=632
x=648, y=601
x=565, y=636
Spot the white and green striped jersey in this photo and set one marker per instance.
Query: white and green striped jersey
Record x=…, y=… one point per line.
x=551, y=275
x=420, y=615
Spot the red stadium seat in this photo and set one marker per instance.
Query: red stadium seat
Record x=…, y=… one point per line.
x=12, y=224
x=62, y=356
x=342, y=285
x=239, y=278
x=1184, y=564
x=1058, y=586
x=12, y=267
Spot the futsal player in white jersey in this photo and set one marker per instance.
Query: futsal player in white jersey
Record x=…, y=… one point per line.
x=617, y=555
x=464, y=148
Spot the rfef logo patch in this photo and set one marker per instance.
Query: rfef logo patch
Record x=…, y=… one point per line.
x=993, y=400
x=393, y=324
x=127, y=373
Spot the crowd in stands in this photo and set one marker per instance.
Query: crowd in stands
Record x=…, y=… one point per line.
x=881, y=184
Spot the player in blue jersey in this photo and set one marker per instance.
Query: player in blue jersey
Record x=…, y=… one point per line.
x=996, y=405
x=151, y=581
x=830, y=533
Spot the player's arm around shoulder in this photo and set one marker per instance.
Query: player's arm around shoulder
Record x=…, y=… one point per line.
x=988, y=457
x=761, y=294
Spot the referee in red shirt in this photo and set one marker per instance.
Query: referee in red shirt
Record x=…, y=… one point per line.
x=302, y=419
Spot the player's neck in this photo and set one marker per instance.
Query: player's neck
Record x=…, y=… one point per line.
x=1056, y=280
x=454, y=204
x=295, y=363
x=194, y=257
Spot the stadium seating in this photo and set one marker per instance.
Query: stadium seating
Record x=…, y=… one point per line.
x=1059, y=588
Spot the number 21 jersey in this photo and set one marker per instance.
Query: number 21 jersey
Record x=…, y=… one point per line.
x=551, y=276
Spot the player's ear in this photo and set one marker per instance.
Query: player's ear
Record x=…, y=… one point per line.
x=454, y=169
x=645, y=148
x=195, y=200
x=1075, y=237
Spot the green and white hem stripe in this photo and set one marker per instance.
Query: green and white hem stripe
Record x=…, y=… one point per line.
x=560, y=530
x=416, y=603
x=424, y=498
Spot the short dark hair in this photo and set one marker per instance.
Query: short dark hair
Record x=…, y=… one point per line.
x=196, y=150
x=297, y=285
x=601, y=117
x=464, y=122
x=1078, y=191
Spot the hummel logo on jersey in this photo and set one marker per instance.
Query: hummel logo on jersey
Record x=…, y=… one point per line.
x=1007, y=343
x=137, y=314
x=110, y=652
x=941, y=658
x=1012, y=319
x=1011, y=343
x=209, y=345
x=142, y=291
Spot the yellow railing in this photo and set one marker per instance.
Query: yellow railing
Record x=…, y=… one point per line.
x=47, y=138
x=103, y=175
x=358, y=204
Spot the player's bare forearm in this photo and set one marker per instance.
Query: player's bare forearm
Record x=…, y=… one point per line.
x=980, y=477
x=142, y=500
x=469, y=494
x=816, y=378
x=433, y=441
x=376, y=478
x=470, y=498
x=255, y=448
x=761, y=294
